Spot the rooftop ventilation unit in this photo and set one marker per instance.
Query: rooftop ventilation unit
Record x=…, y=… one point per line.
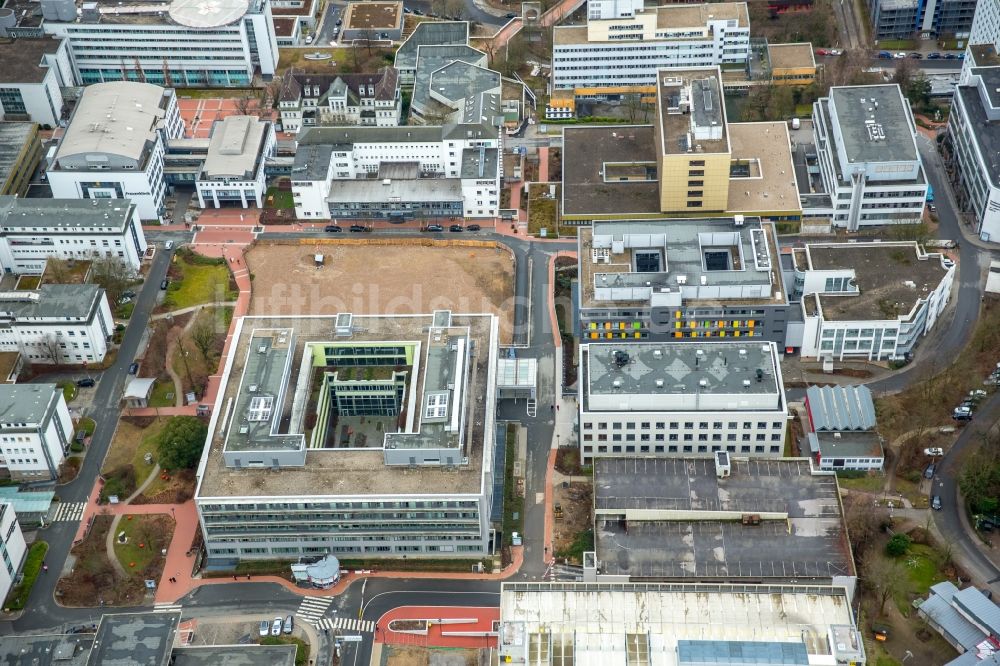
x=657, y=353
x=262, y=349
x=723, y=467
x=252, y=388
x=738, y=220
x=659, y=383
x=703, y=383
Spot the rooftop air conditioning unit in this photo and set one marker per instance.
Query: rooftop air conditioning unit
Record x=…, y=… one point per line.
x=262, y=349
x=252, y=388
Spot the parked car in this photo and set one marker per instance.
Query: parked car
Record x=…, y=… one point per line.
x=936, y=502
x=289, y=624
x=822, y=52
x=332, y=228
x=129, y=293
x=164, y=283
x=433, y=227
x=134, y=368
x=934, y=451
x=934, y=56
x=86, y=382
x=884, y=54
x=916, y=56
x=340, y=22
x=169, y=245
x=929, y=472
x=359, y=228
x=510, y=15
x=473, y=227
x=836, y=52
x=961, y=56
x=950, y=56
x=265, y=627
x=899, y=56
x=962, y=413
x=932, y=208
x=456, y=227
x=276, y=627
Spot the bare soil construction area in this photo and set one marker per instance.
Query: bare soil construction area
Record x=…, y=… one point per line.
x=382, y=279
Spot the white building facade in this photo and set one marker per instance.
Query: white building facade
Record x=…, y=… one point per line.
x=33, y=230
x=866, y=145
x=628, y=51
x=183, y=44
x=58, y=324
x=35, y=431
x=35, y=92
x=115, y=145
x=681, y=399
x=233, y=171
x=974, y=131
x=12, y=547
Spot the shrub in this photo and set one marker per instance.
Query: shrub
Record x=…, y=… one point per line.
x=898, y=545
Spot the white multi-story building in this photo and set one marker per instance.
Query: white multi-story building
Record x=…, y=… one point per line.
x=33, y=230
x=392, y=172
x=389, y=454
x=628, y=51
x=308, y=99
x=12, y=547
x=869, y=301
x=681, y=399
x=986, y=23
x=114, y=146
x=974, y=132
x=233, y=171
x=609, y=9
x=60, y=324
x=32, y=77
x=181, y=43
x=35, y=431
x=866, y=142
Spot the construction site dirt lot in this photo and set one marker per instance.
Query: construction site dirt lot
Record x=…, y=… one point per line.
x=412, y=655
x=382, y=279
x=576, y=501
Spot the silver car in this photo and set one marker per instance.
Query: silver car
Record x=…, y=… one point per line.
x=276, y=627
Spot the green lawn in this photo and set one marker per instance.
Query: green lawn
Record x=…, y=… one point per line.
x=301, y=648
x=163, y=394
x=124, y=311
x=87, y=425
x=897, y=44
x=129, y=448
x=922, y=569
x=144, y=541
x=18, y=596
x=870, y=483
x=275, y=198
x=202, y=281
x=28, y=282
x=68, y=389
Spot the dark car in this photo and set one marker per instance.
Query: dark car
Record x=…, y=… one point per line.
x=936, y=502
x=916, y=56
x=884, y=54
x=359, y=228
x=164, y=284
x=332, y=228
x=934, y=56
x=340, y=21
x=396, y=218
x=456, y=227
x=950, y=56
x=929, y=472
x=511, y=15
x=128, y=294
x=134, y=368
x=86, y=382
x=433, y=227
x=473, y=227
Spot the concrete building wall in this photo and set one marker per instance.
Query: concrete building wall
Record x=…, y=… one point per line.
x=12, y=548
x=684, y=175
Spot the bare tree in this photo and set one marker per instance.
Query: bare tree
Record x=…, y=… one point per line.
x=885, y=577
x=863, y=524
x=203, y=334
x=636, y=108
x=52, y=348
x=245, y=104
x=57, y=270
x=114, y=275
x=906, y=70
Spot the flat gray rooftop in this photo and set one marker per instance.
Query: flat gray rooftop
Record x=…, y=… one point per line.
x=811, y=543
x=681, y=368
x=985, y=132
x=480, y=163
x=312, y=162
x=139, y=639
x=432, y=33
x=585, y=152
x=52, y=300
x=846, y=444
x=874, y=131
x=69, y=215
x=26, y=403
x=235, y=655
x=21, y=58
x=369, y=190
x=48, y=650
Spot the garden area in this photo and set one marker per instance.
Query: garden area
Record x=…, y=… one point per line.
x=301, y=647
x=195, y=280
x=279, y=197
x=18, y=596
x=543, y=210
x=96, y=580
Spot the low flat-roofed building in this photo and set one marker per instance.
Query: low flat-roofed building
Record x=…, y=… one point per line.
x=681, y=399
x=233, y=171
x=841, y=432
x=430, y=33
x=35, y=230
x=46, y=649
x=34, y=72
x=968, y=619
x=791, y=64
x=234, y=655
x=20, y=154
x=681, y=279
x=762, y=179
x=452, y=84
x=372, y=20
x=868, y=300
x=135, y=638
x=724, y=518
x=677, y=624
x=343, y=432
x=866, y=143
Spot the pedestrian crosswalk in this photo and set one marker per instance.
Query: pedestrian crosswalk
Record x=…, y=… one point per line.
x=346, y=623
x=313, y=608
x=69, y=511
x=166, y=608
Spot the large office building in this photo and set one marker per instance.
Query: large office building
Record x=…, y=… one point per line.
x=902, y=19
x=233, y=170
x=452, y=84
x=631, y=48
x=677, y=624
x=115, y=144
x=57, y=324
x=724, y=519
x=34, y=230
x=34, y=73
x=183, y=43
x=974, y=136
x=701, y=278
x=866, y=143
x=681, y=400
x=20, y=154
x=871, y=301
x=12, y=547
x=357, y=436
x=308, y=99
x=35, y=431
x=406, y=172
x=691, y=162
x=428, y=33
